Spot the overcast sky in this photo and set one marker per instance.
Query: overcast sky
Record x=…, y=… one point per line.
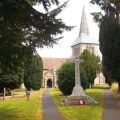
x=71, y=15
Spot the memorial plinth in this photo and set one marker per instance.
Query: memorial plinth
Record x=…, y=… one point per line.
x=78, y=95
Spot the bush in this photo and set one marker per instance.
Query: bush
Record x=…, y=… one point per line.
x=66, y=78
x=11, y=79
x=84, y=79
x=33, y=74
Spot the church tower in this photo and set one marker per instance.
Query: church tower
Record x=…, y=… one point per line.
x=84, y=40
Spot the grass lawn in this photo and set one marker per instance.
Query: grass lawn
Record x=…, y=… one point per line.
x=86, y=112
x=21, y=109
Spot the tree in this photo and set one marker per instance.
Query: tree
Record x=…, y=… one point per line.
x=33, y=74
x=11, y=79
x=23, y=28
x=90, y=65
x=66, y=78
x=109, y=34
x=83, y=78
x=109, y=38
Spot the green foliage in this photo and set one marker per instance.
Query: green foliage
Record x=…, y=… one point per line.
x=83, y=78
x=109, y=38
x=110, y=8
x=110, y=47
x=11, y=79
x=23, y=28
x=104, y=5
x=33, y=74
x=90, y=65
x=107, y=78
x=66, y=78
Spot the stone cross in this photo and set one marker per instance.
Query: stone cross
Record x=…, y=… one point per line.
x=77, y=71
x=77, y=90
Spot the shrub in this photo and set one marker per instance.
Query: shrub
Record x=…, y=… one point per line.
x=66, y=78
x=33, y=74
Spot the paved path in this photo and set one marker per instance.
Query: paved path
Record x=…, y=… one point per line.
x=111, y=108
x=49, y=108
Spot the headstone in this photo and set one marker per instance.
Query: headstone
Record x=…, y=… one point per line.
x=90, y=86
x=28, y=95
x=13, y=95
x=4, y=93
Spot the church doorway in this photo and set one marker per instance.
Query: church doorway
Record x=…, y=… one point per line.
x=49, y=83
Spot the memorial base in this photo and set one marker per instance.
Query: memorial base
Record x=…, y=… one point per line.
x=78, y=97
x=78, y=91
x=79, y=100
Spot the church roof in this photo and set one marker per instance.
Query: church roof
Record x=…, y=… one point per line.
x=84, y=36
x=53, y=63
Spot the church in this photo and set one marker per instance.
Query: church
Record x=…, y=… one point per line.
x=83, y=41
x=50, y=65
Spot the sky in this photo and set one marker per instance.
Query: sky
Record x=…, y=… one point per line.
x=71, y=15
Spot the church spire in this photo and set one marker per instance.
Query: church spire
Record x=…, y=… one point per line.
x=84, y=25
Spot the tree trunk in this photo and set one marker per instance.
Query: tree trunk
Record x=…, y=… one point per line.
x=118, y=92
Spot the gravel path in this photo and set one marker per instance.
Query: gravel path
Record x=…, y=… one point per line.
x=49, y=108
x=111, y=107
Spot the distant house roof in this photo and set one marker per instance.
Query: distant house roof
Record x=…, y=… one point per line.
x=53, y=63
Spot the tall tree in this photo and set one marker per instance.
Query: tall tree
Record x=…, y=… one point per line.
x=90, y=65
x=110, y=47
x=109, y=38
x=33, y=74
x=23, y=28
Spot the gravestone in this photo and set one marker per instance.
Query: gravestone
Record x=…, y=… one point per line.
x=4, y=91
x=28, y=95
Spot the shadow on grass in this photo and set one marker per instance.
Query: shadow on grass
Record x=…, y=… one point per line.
x=100, y=87
x=57, y=95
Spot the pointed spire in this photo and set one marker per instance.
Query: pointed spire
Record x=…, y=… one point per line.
x=84, y=25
